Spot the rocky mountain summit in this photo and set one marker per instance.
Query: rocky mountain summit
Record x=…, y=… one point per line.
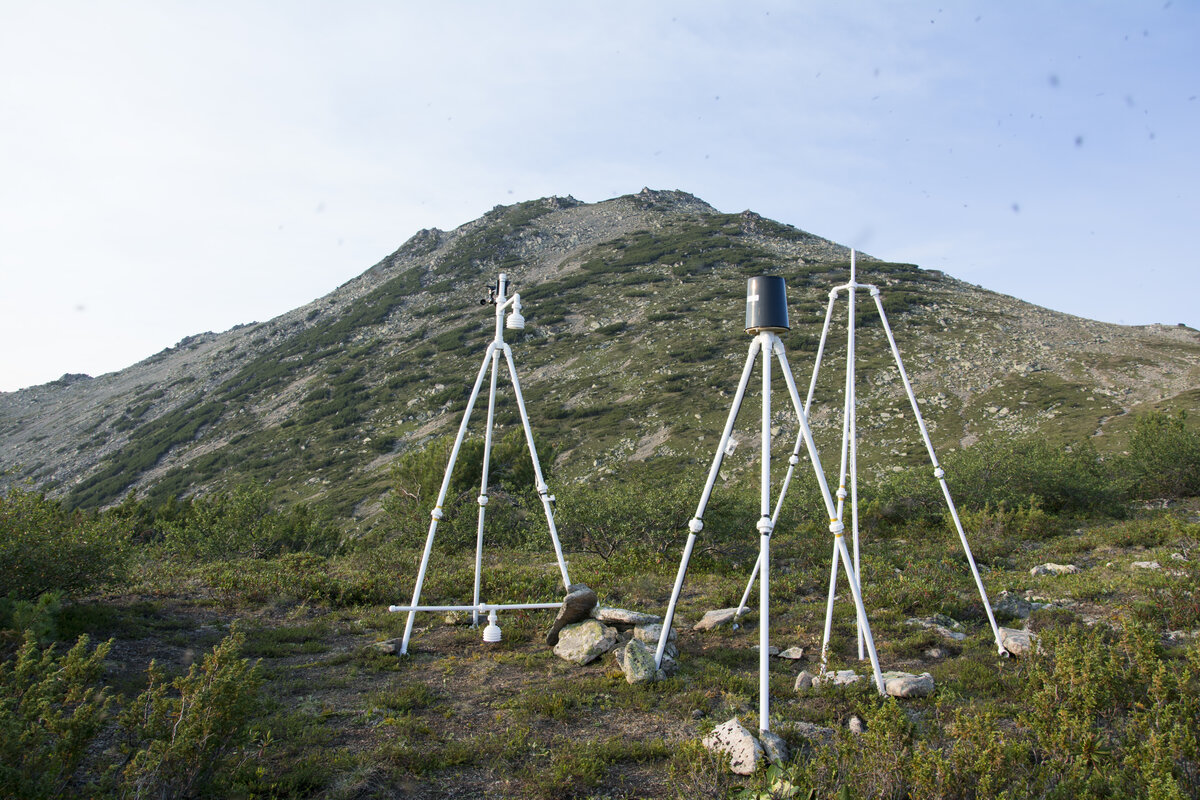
x=632, y=352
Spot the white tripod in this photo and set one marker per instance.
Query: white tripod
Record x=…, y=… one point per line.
x=849, y=465
x=768, y=343
x=490, y=360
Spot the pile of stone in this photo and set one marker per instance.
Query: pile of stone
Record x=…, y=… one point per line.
x=584, y=631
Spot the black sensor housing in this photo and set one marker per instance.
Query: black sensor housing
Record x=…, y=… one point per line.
x=766, y=304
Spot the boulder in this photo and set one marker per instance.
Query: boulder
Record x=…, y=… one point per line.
x=715, y=619
x=774, y=747
x=817, y=734
x=856, y=724
x=804, y=681
x=1012, y=605
x=843, y=677
x=637, y=662
x=941, y=624
x=652, y=632
x=391, y=646
x=1146, y=565
x=1053, y=569
x=1017, y=642
x=793, y=653
x=739, y=744
x=905, y=684
x=578, y=603
x=622, y=616
x=584, y=642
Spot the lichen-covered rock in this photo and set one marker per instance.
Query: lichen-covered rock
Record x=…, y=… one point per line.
x=792, y=653
x=577, y=605
x=715, y=619
x=843, y=677
x=624, y=617
x=637, y=662
x=584, y=642
x=1012, y=605
x=804, y=681
x=1017, y=642
x=905, y=684
x=1050, y=568
x=774, y=747
x=941, y=624
x=739, y=744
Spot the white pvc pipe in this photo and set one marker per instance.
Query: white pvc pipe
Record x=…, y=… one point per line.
x=939, y=473
x=764, y=547
x=441, y=500
x=481, y=608
x=542, y=489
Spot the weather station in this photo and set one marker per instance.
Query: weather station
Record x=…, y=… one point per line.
x=499, y=298
x=766, y=318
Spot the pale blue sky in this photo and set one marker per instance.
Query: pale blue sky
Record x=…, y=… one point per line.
x=168, y=168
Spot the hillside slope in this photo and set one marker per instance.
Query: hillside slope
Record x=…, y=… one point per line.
x=632, y=352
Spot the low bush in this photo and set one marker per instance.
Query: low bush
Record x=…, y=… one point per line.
x=44, y=548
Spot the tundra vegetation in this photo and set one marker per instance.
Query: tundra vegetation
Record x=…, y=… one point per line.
x=225, y=645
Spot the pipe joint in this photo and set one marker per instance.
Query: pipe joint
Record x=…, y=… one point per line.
x=483, y=499
x=696, y=525
x=939, y=473
x=437, y=513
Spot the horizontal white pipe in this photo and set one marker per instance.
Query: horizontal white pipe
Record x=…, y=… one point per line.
x=482, y=607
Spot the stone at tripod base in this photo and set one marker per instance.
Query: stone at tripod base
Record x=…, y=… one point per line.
x=576, y=607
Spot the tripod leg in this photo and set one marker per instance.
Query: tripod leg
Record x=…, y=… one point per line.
x=697, y=524
x=835, y=525
x=938, y=472
x=483, y=486
x=864, y=626
x=437, y=510
x=812, y=384
x=542, y=489
x=833, y=573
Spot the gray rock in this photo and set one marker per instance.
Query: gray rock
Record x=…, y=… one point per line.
x=843, y=677
x=584, y=642
x=578, y=603
x=905, y=684
x=739, y=744
x=715, y=619
x=937, y=653
x=804, y=681
x=856, y=724
x=1050, y=568
x=774, y=747
x=1146, y=565
x=1017, y=642
x=391, y=646
x=941, y=624
x=772, y=650
x=814, y=733
x=622, y=616
x=460, y=618
x=651, y=632
x=637, y=662
x=1012, y=605
x=793, y=653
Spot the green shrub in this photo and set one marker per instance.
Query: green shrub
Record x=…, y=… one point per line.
x=50, y=711
x=1164, y=457
x=183, y=736
x=1010, y=474
x=44, y=548
x=244, y=523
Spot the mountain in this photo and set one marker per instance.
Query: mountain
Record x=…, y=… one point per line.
x=632, y=351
